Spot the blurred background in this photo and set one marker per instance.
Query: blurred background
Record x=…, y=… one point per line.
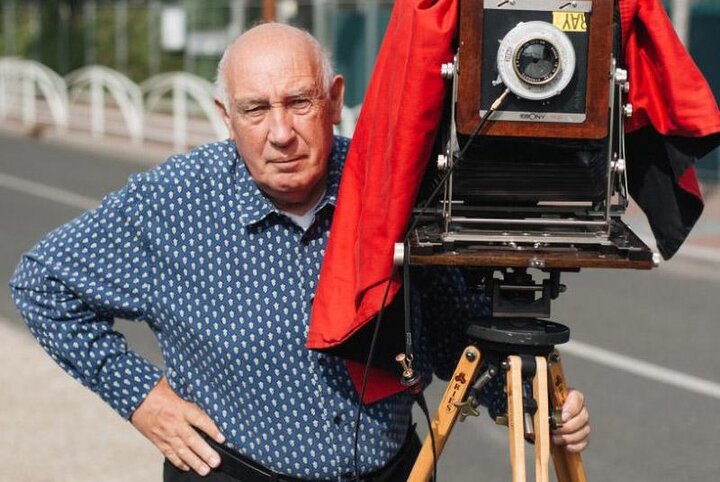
x=143, y=38
x=94, y=90
x=122, y=54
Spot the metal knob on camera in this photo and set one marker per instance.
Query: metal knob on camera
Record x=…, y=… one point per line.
x=627, y=110
x=618, y=166
x=622, y=79
x=442, y=162
x=621, y=76
x=447, y=70
x=398, y=254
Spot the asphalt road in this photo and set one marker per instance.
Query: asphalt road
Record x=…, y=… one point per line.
x=655, y=413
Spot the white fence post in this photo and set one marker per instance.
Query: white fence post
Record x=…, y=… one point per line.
x=28, y=96
x=179, y=99
x=97, y=107
x=3, y=92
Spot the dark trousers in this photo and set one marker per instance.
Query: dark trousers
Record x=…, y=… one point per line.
x=397, y=470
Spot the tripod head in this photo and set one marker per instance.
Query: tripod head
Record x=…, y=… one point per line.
x=519, y=302
x=515, y=329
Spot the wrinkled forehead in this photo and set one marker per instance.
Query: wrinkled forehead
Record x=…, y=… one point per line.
x=271, y=68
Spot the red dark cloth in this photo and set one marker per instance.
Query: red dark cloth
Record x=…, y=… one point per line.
x=395, y=134
x=667, y=91
x=675, y=121
x=386, y=161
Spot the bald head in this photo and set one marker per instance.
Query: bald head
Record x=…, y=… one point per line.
x=280, y=101
x=270, y=40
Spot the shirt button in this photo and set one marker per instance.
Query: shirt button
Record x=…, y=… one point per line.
x=322, y=361
x=337, y=419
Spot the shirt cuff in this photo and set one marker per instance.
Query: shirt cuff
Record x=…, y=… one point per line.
x=126, y=381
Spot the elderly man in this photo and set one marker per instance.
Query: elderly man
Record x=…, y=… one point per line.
x=219, y=252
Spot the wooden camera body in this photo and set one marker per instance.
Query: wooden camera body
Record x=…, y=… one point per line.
x=546, y=171
x=580, y=111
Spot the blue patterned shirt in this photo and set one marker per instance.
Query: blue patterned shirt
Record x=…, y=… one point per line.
x=226, y=282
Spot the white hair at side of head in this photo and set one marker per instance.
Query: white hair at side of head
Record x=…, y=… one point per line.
x=323, y=56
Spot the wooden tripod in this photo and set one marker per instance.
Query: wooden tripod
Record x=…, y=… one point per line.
x=458, y=401
x=519, y=339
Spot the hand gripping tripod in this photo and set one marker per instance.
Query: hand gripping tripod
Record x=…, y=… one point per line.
x=517, y=344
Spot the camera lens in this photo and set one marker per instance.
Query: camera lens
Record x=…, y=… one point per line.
x=536, y=61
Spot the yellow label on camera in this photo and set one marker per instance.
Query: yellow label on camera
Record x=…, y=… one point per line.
x=570, y=21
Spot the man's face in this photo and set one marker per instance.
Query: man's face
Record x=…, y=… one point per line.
x=280, y=118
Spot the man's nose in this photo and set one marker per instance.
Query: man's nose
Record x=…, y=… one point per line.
x=281, y=129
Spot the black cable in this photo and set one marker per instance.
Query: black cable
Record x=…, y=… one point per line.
x=378, y=319
x=495, y=105
x=422, y=403
x=419, y=395
x=406, y=298
x=371, y=354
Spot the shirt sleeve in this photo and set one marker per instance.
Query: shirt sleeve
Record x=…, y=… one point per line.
x=71, y=286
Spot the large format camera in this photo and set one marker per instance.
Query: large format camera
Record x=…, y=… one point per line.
x=532, y=174
x=545, y=171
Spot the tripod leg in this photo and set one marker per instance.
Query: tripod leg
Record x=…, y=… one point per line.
x=568, y=466
x=541, y=421
x=516, y=427
x=447, y=413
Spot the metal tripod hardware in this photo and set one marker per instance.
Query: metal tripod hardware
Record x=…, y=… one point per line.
x=468, y=407
x=410, y=378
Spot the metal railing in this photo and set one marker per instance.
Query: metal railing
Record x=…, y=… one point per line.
x=25, y=83
x=183, y=87
x=175, y=108
x=100, y=80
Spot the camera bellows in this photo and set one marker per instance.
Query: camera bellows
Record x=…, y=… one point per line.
x=517, y=170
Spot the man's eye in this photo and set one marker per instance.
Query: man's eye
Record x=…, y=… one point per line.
x=255, y=111
x=300, y=104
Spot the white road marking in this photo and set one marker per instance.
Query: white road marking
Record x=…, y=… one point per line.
x=69, y=198
x=50, y=193
x=574, y=348
x=642, y=368
x=702, y=253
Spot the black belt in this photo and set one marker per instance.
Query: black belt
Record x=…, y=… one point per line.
x=242, y=468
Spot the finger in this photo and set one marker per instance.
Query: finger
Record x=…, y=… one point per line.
x=574, y=424
x=201, y=420
x=198, y=445
x=572, y=438
x=175, y=460
x=576, y=448
x=573, y=405
x=191, y=458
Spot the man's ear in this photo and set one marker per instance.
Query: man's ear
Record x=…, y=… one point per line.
x=337, y=97
x=222, y=110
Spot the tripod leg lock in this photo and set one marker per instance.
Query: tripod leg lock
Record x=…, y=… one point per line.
x=468, y=407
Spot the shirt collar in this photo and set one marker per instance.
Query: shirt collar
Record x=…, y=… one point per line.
x=255, y=206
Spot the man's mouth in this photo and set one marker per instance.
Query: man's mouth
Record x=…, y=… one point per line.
x=288, y=160
x=290, y=164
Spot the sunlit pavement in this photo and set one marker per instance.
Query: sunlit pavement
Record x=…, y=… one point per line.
x=52, y=429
